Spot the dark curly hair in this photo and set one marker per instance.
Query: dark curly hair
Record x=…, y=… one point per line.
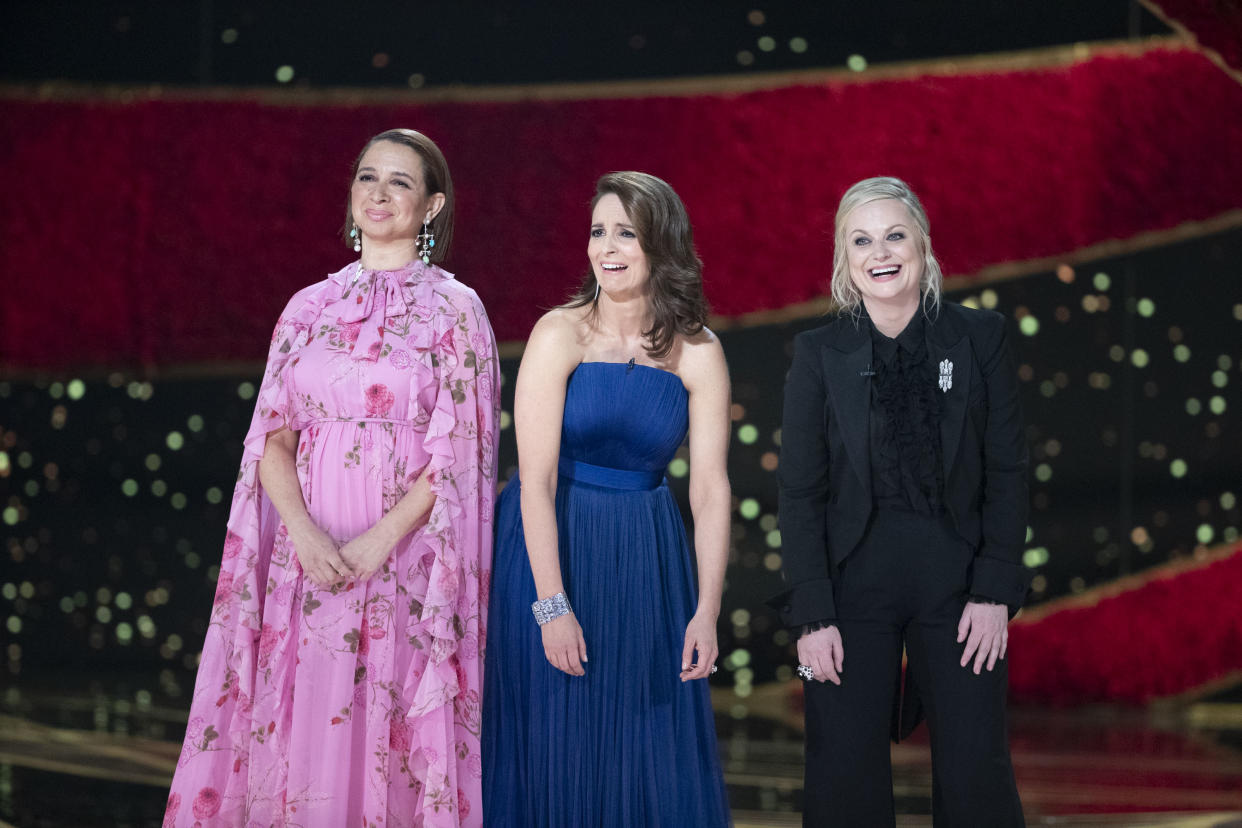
x=667, y=239
x=436, y=179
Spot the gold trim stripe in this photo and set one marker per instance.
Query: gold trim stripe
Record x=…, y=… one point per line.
x=1189, y=37
x=734, y=84
x=85, y=768
x=1130, y=583
x=1202, y=691
x=1007, y=271
x=512, y=349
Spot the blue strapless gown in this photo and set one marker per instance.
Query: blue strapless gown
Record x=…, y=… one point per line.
x=628, y=744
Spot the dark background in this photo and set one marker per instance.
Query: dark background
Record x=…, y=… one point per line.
x=446, y=43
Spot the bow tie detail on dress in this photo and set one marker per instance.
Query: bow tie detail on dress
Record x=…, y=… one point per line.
x=370, y=297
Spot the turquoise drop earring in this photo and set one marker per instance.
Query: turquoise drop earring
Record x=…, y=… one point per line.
x=426, y=241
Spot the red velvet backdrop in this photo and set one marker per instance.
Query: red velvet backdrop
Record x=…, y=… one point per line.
x=1176, y=632
x=141, y=229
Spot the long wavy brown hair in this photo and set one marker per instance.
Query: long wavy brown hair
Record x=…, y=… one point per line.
x=675, y=286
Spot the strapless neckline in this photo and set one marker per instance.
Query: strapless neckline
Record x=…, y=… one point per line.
x=628, y=366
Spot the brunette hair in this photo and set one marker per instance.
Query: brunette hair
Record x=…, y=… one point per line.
x=436, y=179
x=675, y=283
x=844, y=293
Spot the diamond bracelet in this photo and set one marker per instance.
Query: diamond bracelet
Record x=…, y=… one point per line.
x=547, y=609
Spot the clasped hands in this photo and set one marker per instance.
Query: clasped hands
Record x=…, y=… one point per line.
x=565, y=647
x=326, y=563
x=984, y=628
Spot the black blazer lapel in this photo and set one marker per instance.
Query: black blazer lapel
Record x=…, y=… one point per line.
x=847, y=367
x=956, y=373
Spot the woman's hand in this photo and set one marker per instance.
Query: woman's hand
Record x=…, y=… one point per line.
x=700, y=637
x=564, y=645
x=985, y=629
x=366, y=553
x=317, y=553
x=824, y=653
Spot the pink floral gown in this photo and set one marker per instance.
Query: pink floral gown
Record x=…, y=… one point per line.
x=356, y=705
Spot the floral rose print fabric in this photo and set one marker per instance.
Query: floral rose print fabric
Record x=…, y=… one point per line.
x=356, y=704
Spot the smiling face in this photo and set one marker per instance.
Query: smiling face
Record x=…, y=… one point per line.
x=617, y=259
x=388, y=198
x=884, y=256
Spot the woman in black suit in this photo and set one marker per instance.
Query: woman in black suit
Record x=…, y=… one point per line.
x=903, y=514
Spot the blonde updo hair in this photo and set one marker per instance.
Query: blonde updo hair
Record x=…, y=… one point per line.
x=844, y=293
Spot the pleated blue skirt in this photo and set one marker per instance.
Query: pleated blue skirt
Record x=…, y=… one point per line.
x=628, y=744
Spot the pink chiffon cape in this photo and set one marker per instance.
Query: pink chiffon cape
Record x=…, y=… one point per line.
x=357, y=704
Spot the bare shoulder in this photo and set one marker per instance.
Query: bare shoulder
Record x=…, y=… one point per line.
x=560, y=326
x=555, y=342
x=701, y=361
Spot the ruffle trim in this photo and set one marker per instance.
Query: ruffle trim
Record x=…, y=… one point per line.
x=441, y=711
x=909, y=447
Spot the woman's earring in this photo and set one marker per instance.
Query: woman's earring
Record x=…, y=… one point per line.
x=353, y=234
x=426, y=241
x=597, y=291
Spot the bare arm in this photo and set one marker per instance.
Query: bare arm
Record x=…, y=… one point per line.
x=706, y=377
x=551, y=355
x=318, y=554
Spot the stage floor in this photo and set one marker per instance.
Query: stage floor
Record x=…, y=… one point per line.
x=77, y=759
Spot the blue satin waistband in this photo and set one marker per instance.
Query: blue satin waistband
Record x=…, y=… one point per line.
x=609, y=478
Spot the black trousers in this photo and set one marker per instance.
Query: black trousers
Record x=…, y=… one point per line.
x=906, y=584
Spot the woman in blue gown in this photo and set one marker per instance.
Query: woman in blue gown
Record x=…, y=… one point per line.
x=595, y=711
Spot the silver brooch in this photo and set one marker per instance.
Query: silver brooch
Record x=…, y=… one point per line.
x=946, y=375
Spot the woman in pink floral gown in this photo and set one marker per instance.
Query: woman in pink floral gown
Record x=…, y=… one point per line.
x=339, y=682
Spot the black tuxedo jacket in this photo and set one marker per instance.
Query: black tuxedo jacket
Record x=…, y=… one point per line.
x=825, y=467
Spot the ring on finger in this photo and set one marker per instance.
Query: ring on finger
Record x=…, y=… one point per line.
x=805, y=672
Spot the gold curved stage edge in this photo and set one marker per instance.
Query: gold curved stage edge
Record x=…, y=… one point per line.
x=1074, y=768
x=1042, y=58
x=512, y=349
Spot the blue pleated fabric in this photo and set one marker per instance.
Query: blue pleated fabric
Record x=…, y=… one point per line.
x=628, y=744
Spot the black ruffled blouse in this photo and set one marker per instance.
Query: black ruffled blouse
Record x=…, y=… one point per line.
x=907, y=472
x=907, y=469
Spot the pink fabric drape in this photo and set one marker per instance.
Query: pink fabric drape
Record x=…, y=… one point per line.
x=357, y=704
